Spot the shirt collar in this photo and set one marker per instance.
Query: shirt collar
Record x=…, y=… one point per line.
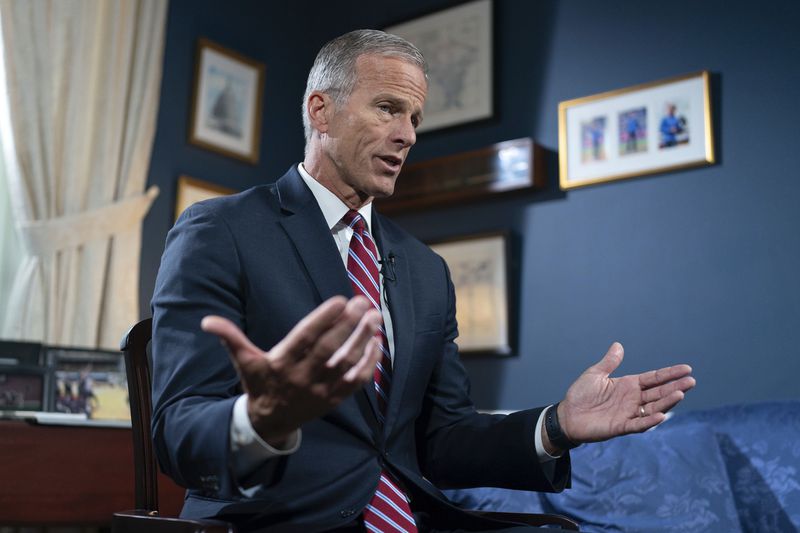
x=333, y=209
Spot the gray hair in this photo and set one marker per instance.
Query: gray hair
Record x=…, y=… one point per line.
x=334, y=70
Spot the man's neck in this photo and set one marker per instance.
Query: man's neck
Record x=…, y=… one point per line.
x=332, y=207
x=320, y=169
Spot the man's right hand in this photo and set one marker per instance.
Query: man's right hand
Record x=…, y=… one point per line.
x=327, y=356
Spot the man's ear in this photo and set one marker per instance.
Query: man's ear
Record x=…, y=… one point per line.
x=320, y=110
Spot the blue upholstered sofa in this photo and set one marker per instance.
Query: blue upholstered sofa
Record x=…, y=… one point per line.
x=730, y=469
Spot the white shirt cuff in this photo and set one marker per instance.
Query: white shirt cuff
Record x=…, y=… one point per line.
x=248, y=449
x=540, y=451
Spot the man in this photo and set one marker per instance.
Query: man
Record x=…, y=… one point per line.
x=670, y=128
x=358, y=412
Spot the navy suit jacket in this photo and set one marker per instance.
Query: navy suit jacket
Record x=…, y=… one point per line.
x=265, y=258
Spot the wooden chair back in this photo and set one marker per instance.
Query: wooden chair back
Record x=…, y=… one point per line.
x=135, y=346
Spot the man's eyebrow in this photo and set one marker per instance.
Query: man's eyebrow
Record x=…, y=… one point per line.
x=387, y=97
x=400, y=102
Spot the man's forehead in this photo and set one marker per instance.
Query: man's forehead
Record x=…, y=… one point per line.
x=387, y=72
x=371, y=64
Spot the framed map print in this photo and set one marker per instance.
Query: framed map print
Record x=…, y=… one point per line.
x=457, y=44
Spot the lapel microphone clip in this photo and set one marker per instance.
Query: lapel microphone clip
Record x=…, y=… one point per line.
x=387, y=267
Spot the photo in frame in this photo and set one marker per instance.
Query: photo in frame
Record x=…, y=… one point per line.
x=89, y=382
x=192, y=190
x=457, y=44
x=23, y=377
x=22, y=389
x=479, y=270
x=644, y=129
x=227, y=102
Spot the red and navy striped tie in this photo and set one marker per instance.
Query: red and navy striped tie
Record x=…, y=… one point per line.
x=388, y=511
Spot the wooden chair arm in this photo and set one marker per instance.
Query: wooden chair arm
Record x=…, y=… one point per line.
x=530, y=519
x=141, y=521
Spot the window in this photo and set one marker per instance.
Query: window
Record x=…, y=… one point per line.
x=10, y=247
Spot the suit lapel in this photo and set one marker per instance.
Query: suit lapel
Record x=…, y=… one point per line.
x=306, y=227
x=401, y=308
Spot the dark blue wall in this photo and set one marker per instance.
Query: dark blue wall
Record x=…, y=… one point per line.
x=697, y=266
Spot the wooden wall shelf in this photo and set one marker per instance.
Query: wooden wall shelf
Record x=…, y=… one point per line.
x=469, y=176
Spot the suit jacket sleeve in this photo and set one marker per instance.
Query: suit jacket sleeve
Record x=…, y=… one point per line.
x=463, y=448
x=194, y=382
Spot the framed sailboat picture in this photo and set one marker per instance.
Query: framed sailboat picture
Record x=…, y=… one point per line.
x=227, y=100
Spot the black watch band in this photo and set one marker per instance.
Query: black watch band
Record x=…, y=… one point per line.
x=554, y=432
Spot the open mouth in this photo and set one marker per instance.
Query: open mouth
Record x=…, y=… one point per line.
x=391, y=160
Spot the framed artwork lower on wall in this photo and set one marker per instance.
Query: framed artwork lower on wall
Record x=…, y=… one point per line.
x=192, y=190
x=479, y=269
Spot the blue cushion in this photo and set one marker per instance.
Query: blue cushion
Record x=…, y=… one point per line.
x=761, y=447
x=663, y=480
x=498, y=500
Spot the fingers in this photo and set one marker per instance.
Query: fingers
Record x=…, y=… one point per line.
x=354, y=346
x=237, y=343
x=611, y=360
x=683, y=384
x=643, y=423
x=308, y=331
x=359, y=320
x=654, y=378
x=338, y=352
x=353, y=363
x=653, y=413
x=360, y=373
x=364, y=369
x=663, y=405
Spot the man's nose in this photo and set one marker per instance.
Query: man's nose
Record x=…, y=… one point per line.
x=404, y=133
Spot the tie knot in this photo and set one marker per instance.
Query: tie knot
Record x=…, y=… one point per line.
x=354, y=219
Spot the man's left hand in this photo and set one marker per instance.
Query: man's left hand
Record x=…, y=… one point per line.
x=598, y=407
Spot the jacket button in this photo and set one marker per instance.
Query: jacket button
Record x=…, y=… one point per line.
x=346, y=513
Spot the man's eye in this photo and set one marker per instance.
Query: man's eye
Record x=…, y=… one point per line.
x=385, y=108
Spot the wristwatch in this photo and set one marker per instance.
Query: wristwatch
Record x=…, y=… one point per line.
x=554, y=431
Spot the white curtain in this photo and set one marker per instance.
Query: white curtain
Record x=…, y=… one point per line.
x=82, y=81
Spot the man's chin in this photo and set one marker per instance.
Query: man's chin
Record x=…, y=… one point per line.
x=384, y=188
x=383, y=193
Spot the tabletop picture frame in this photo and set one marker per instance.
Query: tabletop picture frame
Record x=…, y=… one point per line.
x=479, y=269
x=644, y=129
x=192, y=190
x=89, y=382
x=457, y=44
x=24, y=380
x=227, y=102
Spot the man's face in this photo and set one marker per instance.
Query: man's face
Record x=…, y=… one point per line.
x=369, y=136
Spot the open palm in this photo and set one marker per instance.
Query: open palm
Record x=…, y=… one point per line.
x=598, y=407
